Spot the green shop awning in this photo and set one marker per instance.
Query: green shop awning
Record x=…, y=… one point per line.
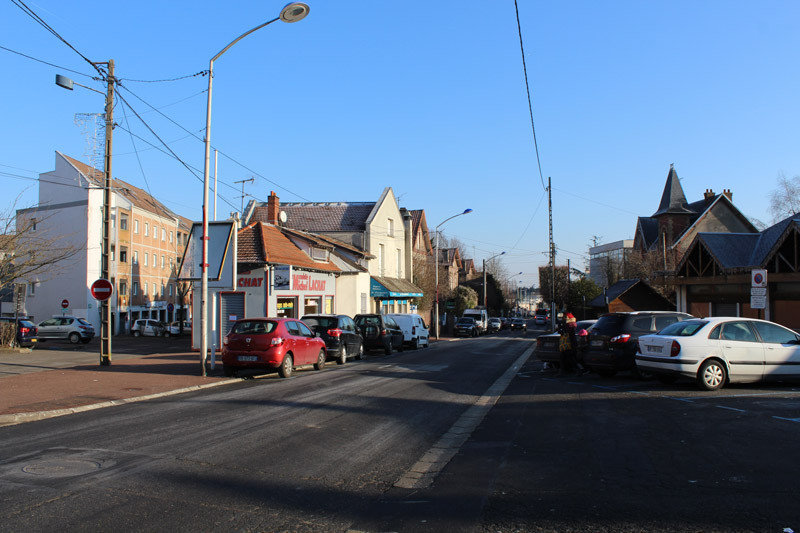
x=393, y=288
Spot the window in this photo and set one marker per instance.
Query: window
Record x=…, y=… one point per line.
x=145, y=259
x=170, y=289
x=123, y=222
x=390, y=232
x=146, y=229
x=113, y=252
x=153, y=285
x=399, y=263
x=155, y=261
x=163, y=234
x=163, y=261
x=737, y=331
x=135, y=288
x=144, y=289
x=380, y=260
x=123, y=288
x=135, y=226
x=33, y=224
x=163, y=289
x=170, y=236
x=123, y=254
x=155, y=232
x=31, y=288
x=135, y=257
x=774, y=334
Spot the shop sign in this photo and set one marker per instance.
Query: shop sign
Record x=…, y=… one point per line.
x=250, y=282
x=304, y=282
x=286, y=305
x=282, y=276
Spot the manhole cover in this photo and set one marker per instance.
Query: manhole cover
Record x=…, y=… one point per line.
x=62, y=467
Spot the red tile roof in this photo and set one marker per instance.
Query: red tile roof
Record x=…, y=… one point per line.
x=262, y=243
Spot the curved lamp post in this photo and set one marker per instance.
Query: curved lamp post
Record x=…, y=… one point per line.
x=293, y=12
x=515, y=287
x=484, y=278
x=436, y=269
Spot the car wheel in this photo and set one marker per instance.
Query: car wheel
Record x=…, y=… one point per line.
x=644, y=375
x=401, y=347
x=74, y=338
x=166, y=334
x=416, y=343
x=389, y=348
x=342, y=359
x=229, y=371
x=666, y=379
x=607, y=372
x=712, y=375
x=320, y=364
x=136, y=333
x=360, y=355
x=287, y=366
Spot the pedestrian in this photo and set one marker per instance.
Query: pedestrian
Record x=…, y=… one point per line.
x=568, y=346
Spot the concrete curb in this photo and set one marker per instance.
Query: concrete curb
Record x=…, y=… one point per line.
x=21, y=418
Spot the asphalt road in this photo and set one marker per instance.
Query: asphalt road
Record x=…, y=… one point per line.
x=334, y=450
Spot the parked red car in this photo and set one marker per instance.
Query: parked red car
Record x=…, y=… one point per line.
x=272, y=343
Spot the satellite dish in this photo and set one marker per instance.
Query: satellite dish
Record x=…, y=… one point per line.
x=283, y=216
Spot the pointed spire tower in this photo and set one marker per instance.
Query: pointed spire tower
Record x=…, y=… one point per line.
x=673, y=213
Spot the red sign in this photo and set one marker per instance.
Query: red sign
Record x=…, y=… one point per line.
x=304, y=282
x=64, y=303
x=102, y=289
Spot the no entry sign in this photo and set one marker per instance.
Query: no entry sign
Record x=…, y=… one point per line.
x=102, y=289
x=64, y=303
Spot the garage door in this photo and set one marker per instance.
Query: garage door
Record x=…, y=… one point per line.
x=231, y=309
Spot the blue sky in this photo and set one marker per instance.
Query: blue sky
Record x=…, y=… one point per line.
x=428, y=98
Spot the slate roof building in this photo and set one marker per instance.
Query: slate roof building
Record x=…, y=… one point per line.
x=374, y=237
x=714, y=276
x=630, y=295
x=671, y=228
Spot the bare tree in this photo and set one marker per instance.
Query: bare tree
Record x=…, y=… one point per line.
x=785, y=200
x=27, y=251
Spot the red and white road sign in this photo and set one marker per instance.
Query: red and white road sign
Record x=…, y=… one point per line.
x=102, y=289
x=64, y=303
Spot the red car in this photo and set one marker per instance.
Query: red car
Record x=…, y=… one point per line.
x=272, y=343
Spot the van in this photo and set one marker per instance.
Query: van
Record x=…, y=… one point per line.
x=415, y=332
x=481, y=317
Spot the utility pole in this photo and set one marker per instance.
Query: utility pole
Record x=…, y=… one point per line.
x=569, y=280
x=553, y=312
x=105, y=306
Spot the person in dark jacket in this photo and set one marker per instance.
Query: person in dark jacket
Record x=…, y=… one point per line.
x=568, y=346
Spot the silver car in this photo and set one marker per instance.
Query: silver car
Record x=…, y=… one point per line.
x=71, y=328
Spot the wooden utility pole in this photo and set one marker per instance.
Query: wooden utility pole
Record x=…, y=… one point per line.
x=105, y=306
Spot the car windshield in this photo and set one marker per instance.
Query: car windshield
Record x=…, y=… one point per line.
x=609, y=325
x=254, y=326
x=542, y=312
x=27, y=323
x=368, y=320
x=321, y=322
x=466, y=321
x=686, y=328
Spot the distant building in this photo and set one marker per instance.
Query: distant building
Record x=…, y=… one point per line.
x=605, y=259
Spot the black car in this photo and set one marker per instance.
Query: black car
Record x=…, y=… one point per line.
x=614, y=339
x=466, y=327
x=518, y=323
x=380, y=332
x=26, y=331
x=341, y=336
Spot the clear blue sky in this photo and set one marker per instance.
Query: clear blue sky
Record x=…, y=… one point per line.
x=428, y=98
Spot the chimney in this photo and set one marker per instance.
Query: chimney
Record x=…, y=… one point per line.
x=273, y=208
x=728, y=194
x=708, y=196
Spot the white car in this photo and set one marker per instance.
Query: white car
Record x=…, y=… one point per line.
x=415, y=332
x=148, y=327
x=719, y=350
x=174, y=328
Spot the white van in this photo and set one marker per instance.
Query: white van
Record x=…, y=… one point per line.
x=415, y=332
x=481, y=317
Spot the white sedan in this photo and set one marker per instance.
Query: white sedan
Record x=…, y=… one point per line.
x=719, y=350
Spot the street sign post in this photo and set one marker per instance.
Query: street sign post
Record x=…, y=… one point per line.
x=101, y=290
x=64, y=303
x=758, y=289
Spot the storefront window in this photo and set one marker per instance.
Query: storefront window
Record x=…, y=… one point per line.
x=312, y=306
x=329, y=305
x=287, y=308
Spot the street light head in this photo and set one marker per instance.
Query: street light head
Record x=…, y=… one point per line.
x=502, y=253
x=466, y=211
x=294, y=12
x=63, y=81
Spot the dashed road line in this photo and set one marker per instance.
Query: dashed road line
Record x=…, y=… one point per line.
x=730, y=408
x=425, y=470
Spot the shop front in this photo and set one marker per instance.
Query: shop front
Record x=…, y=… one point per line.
x=286, y=291
x=393, y=295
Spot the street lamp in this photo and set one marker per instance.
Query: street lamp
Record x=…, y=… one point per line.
x=515, y=287
x=484, y=278
x=293, y=12
x=436, y=269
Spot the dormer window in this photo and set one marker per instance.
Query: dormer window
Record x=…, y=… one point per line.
x=319, y=254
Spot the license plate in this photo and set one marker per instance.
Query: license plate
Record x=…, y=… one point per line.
x=654, y=349
x=597, y=343
x=549, y=344
x=248, y=358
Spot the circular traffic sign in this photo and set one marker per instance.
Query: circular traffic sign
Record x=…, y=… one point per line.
x=170, y=307
x=64, y=303
x=102, y=289
x=758, y=278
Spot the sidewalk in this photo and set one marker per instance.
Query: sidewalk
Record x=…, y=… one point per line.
x=49, y=393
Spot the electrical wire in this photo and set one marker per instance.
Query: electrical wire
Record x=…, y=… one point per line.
x=527, y=88
x=201, y=73
x=47, y=63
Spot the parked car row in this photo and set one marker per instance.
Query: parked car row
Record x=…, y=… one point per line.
x=26, y=331
x=668, y=345
x=284, y=343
